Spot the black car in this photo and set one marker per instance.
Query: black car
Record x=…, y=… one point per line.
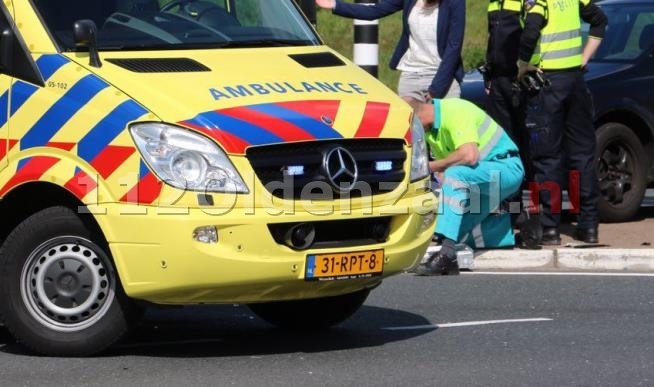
x=621, y=79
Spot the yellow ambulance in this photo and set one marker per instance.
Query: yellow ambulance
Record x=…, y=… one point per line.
x=191, y=152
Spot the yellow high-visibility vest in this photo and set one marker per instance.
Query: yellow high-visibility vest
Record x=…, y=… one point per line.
x=560, y=43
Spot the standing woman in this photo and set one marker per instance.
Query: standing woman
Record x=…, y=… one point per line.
x=428, y=53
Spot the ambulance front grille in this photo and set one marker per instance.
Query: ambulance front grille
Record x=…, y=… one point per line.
x=295, y=170
x=159, y=65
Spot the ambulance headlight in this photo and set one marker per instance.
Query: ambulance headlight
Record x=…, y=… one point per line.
x=185, y=159
x=419, y=159
x=188, y=166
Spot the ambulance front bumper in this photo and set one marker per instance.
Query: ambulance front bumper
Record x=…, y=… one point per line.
x=159, y=259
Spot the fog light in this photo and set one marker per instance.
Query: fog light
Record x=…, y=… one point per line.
x=206, y=234
x=300, y=236
x=427, y=221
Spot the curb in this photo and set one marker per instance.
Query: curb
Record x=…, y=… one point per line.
x=587, y=259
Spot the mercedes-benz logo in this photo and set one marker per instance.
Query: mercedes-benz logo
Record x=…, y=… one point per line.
x=341, y=169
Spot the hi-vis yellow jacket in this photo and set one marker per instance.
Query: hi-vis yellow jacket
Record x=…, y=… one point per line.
x=560, y=43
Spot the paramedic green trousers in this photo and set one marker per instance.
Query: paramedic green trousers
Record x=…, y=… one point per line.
x=470, y=202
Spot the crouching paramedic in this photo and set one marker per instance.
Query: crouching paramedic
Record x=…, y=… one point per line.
x=479, y=167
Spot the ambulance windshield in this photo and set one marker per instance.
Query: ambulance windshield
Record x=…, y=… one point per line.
x=179, y=24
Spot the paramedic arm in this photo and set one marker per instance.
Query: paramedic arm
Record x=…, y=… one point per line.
x=466, y=154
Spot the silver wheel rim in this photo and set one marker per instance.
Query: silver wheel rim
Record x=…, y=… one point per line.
x=67, y=284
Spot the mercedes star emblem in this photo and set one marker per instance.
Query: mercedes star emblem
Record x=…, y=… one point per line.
x=341, y=169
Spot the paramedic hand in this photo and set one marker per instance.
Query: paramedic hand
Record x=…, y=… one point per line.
x=327, y=4
x=524, y=68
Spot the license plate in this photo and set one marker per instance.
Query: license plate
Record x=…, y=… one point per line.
x=348, y=265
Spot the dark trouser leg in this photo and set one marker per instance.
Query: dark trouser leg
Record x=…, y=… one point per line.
x=507, y=105
x=546, y=119
x=580, y=146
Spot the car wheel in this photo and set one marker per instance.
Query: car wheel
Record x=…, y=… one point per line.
x=621, y=172
x=59, y=292
x=312, y=314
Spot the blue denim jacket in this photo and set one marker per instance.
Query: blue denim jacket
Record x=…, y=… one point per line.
x=449, y=31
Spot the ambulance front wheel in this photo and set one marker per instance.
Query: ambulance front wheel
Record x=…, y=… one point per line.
x=59, y=292
x=311, y=314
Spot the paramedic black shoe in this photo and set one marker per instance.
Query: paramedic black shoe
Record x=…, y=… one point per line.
x=438, y=264
x=531, y=231
x=527, y=242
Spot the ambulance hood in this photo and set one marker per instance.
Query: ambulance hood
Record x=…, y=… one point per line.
x=243, y=97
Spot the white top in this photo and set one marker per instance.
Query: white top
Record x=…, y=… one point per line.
x=422, y=55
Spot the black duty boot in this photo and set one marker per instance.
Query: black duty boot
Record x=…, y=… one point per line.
x=438, y=264
x=551, y=237
x=587, y=235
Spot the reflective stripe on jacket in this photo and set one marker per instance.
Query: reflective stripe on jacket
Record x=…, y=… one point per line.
x=560, y=43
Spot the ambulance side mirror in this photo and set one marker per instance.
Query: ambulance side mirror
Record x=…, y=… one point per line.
x=85, y=34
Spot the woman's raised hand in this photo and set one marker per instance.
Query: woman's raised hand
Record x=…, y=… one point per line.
x=327, y=4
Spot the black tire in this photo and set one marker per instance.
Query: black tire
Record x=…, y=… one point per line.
x=621, y=171
x=311, y=314
x=59, y=292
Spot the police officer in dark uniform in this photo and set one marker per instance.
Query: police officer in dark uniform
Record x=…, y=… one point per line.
x=505, y=102
x=560, y=116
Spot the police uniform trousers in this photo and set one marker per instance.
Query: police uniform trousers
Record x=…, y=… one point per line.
x=469, y=206
x=562, y=139
x=507, y=105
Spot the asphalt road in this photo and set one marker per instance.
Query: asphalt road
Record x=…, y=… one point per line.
x=477, y=329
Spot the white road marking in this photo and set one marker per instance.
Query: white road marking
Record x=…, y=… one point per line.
x=563, y=273
x=467, y=324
